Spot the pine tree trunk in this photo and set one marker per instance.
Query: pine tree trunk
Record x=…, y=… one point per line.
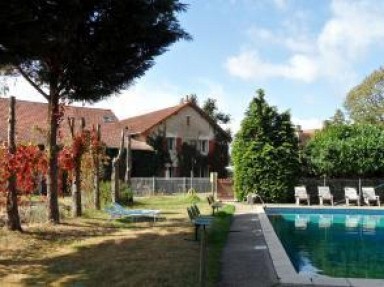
x=13, y=222
x=52, y=179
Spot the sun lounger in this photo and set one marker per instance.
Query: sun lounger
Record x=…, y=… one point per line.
x=351, y=195
x=369, y=195
x=325, y=195
x=301, y=194
x=115, y=210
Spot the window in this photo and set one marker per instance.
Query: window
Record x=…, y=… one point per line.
x=171, y=143
x=108, y=119
x=188, y=120
x=204, y=146
x=193, y=143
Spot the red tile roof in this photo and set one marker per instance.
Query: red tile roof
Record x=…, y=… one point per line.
x=31, y=123
x=143, y=123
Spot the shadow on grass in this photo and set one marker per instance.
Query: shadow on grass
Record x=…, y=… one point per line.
x=149, y=259
x=153, y=255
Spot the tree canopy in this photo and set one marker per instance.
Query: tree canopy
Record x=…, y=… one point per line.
x=365, y=102
x=265, y=152
x=86, y=49
x=347, y=150
x=83, y=50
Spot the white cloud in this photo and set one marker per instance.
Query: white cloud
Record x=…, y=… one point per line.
x=142, y=98
x=249, y=66
x=354, y=28
x=281, y=4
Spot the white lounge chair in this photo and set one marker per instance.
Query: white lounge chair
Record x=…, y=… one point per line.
x=301, y=194
x=369, y=195
x=351, y=195
x=325, y=194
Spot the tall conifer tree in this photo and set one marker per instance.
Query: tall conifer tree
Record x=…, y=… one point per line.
x=265, y=152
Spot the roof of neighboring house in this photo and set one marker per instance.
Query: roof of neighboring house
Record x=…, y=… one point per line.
x=143, y=123
x=31, y=123
x=306, y=135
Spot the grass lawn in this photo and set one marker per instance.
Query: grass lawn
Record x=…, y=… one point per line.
x=95, y=251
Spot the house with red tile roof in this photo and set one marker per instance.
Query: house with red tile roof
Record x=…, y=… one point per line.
x=184, y=123
x=31, y=123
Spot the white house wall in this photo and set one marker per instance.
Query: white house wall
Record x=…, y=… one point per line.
x=177, y=127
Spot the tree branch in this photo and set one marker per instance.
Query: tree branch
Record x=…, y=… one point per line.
x=24, y=74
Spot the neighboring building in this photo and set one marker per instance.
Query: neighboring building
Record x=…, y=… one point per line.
x=184, y=123
x=31, y=123
x=305, y=135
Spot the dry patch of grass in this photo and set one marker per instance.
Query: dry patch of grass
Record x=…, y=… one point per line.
x=94, y=251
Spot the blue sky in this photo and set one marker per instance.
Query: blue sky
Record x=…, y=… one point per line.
x=305, y=54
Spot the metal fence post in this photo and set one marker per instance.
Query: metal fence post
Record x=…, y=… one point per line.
x=184, y=185
x=153, y=185
x=202, y=257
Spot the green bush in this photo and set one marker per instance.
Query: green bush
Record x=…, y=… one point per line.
x=105, y=193
x=347, y=150
x=126, y=194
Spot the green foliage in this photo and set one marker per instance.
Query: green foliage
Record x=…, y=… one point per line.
x=161, y=155
x=192, y=196
x=126, y=194
x=347, y=150
x=217, y=237
x=365, y=102
x=337, y=119
x=219, y=159
x=190, y=159
x=265, y=153
x=105, y=193
x=210, y=107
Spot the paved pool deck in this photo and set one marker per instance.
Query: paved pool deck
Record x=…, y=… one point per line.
x=254, y=256
x=246, y=260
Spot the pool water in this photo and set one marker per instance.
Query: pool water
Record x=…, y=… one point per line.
x=336, y=245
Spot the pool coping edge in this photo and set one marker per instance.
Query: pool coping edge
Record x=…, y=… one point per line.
x=286, y=272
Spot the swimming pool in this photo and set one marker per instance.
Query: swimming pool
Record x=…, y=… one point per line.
x=334, y=242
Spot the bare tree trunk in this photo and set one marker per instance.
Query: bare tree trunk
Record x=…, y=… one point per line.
x=115, y=177
x=128, y=170
x=13, y=222
x=96, y=172
x=53, y=117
